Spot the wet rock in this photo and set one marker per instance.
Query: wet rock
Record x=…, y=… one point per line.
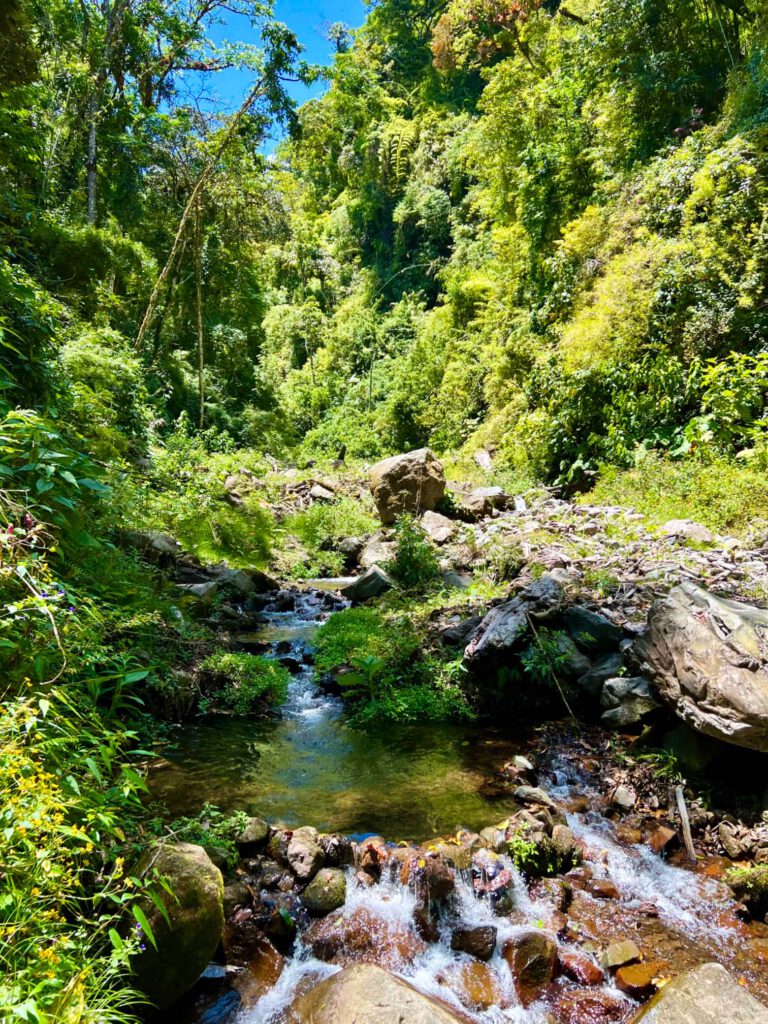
x=687, y=529
x=304, y=854
x=326, y=892
x=639, y=981
x=186, y=940
x=608, y=667
x=592, y=631
x=532, y=957
x=373, y=583
x=338, y=851
x=495, y=837
x=235, y=895
x=591, y=1006
x=618, y=954
x=602, y=889
x=218, y=856
x=705, y=995
x=260, y=974
x=567, y=850
x=413, y=482
x=373, y=855
x=438, y=528
x=478, y=942
x=253, y=837
x=365, y=994
x=363, y=936
x=222, y=1009
x=277, y=847
x=729, y=840
x=707, y=659
x=662, y=839
x=750, y=885
x=580, y=967
x=572, y=663
x=430, y=876
x=476, y=984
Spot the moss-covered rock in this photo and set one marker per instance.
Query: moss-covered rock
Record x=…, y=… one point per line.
x=326, y=892
x=188, y=939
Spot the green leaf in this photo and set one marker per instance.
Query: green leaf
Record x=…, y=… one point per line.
x=143, y=923
x=93, y=768
x=116, y=941
x=69, y=477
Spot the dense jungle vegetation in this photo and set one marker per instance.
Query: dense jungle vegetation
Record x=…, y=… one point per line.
x=534, y=228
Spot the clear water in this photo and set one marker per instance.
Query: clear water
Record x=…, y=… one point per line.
x=312, y=766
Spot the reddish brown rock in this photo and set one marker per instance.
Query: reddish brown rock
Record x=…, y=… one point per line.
x=580, y=967
x=639, y=980
x=363, y=937
x=260, y=974
x=476, y=984
x=532, y=956
x=602, y=889
x=663, y=839
x=478, y=942
x=590, y=1006
x=430, y=876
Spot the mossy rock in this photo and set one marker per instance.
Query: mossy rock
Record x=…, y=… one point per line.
x=326, y=892
x=195, y=912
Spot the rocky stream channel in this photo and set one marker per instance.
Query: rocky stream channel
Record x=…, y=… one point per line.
x=383, y=888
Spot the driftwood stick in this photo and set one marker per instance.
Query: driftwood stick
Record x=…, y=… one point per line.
x=686, y=824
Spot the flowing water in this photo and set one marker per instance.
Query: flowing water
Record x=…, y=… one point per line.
x=312, y=766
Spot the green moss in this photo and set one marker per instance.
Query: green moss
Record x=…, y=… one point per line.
x=750, y=885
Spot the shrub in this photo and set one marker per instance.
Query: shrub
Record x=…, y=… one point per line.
x=415, y=564
x=241, y=684
x=722, y=495
x=321, y=527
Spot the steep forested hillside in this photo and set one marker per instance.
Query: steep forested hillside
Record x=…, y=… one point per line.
x=532, y=229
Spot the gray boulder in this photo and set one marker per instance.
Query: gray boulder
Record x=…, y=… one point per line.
x=413, y=482
x=483, y=501
x=628, y=700
x=189, y=938
x=708, y=658
x=376, y=551
x=500, y=630
x=592, y=631
x=687, y=529
x=202, y=593
x=705, y=995
x=373, y=583
x=605, y=668
x=438, y=528
x=305, y=855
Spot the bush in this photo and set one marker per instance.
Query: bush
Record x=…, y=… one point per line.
x=321, y=527
x=379, y=663
x=724, y=496
x=241, y=684
x=415, y=564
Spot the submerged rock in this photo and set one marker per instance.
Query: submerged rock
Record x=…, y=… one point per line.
x=705, y=995
x=365, y=994
x=187, y=940
x=413, y=482
x=708, y=658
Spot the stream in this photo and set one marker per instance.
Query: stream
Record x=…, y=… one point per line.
x=312, y=766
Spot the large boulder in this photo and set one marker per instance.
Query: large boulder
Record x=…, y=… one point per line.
x=705, y=995
x=708, y=658
x=414, y=482
x=189, y=938
x=372, y=583
x=505, y=625
x=364, y=994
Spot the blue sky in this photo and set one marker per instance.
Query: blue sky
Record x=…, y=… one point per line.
x=307, y=18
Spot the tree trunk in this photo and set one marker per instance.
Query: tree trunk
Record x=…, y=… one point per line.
x=92, y=164
x=200, y=328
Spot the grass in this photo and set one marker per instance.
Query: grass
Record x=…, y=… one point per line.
x=724, y=496
x=241, y=684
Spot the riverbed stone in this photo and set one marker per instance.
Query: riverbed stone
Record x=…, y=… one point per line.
x=592, y=631
x=187, y=940
x=304, y=854
x=326, y=892
x=707, y=657
x=705, y=995
x=437, y=527
x=607, y=667
x=478, y=941
x=372, y=583
x=580, y=967
x=639, y=981
x=252, y=837
x=377, y=550
x=413, y=482
x=620, y=953
x=591, y=1006
x=477, y=985
x=532, y=956
x=362, y=935
x=429, y=875
x=365, y=994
